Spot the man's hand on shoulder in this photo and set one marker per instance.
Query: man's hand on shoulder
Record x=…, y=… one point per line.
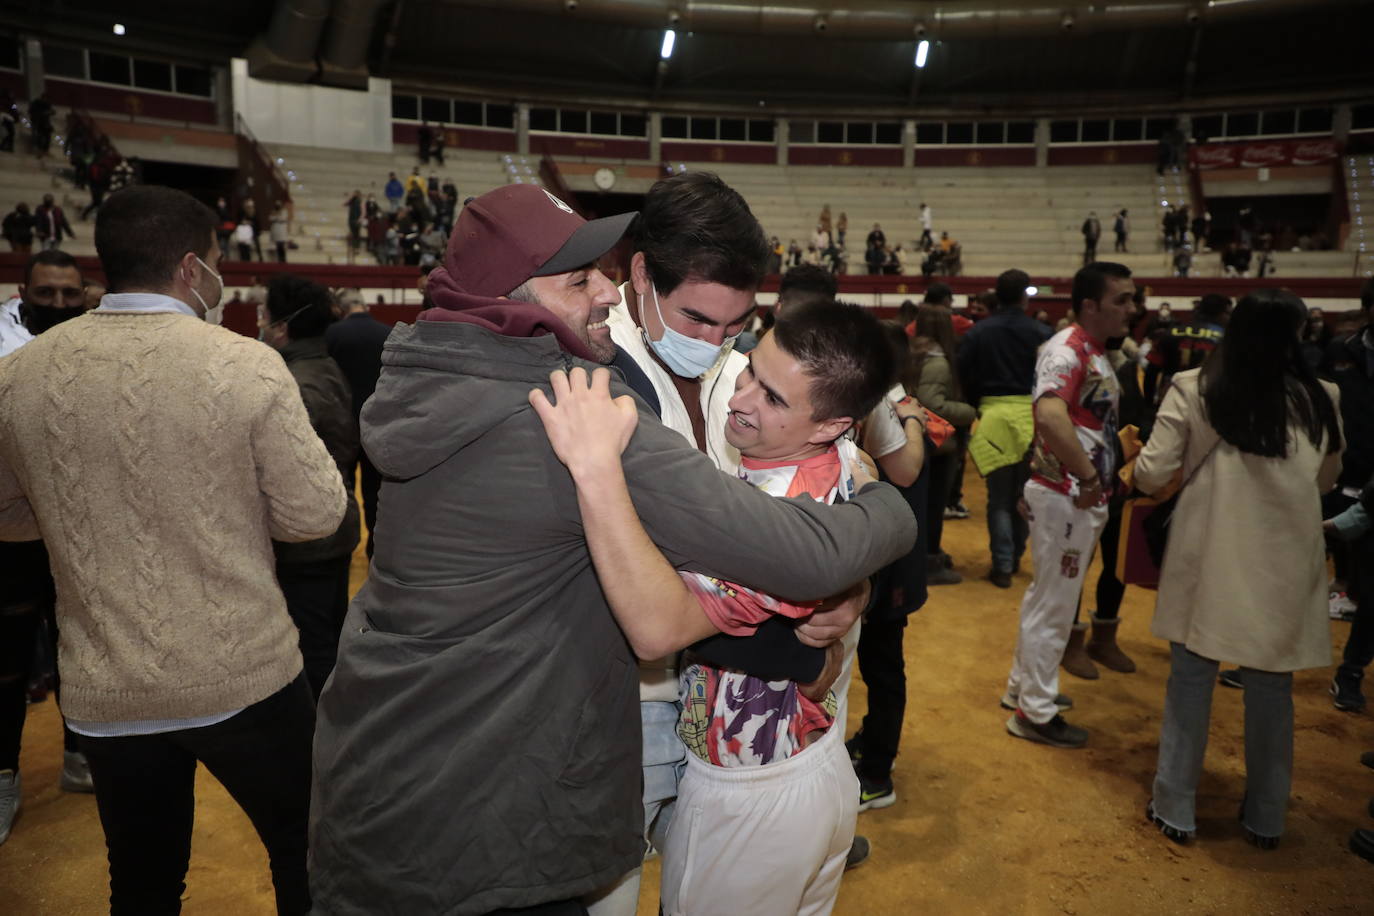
x=835, y=616
x=587, y=428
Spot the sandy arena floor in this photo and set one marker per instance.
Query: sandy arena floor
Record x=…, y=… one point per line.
x=984, y=823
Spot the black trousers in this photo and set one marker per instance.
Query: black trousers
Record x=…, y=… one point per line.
x=27, y=605
x=145, y=791
x=942, y=471
x=883, y=667
x=1110, y=589
x=1359, y=645
x=317, y=599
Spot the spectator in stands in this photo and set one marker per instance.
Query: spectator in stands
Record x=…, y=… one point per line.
x=248, y=212
x=416, y=182
x=176, y=646
x=377, y=226
x=313, y=575
x=1316, y=337
x=892, y=260
x=937, y=389
x=425, y=136
x=281, y=230
x=395, y=192
x=775, y=253
x=1092, y=231
x=794, y=254
x=18, y=229
x=224, y=226
x=9, y=117
x=40, y=125
x=996, y=364
x=1043, y=317
x=355, y=342
x=50, y=223
x=392, y=249
x=1121, y=225
x=1168, y=224
x=1183, y=260
x=432, y=244
x=875, y=257
x=804, y=284
x=1202, y=228
x=876, y=239
x=1258, y=439
x=436, y=144
x=841, y=227
x=824, y=221
x=245, y=238
x=354, y=206
x=927, y=225
x=1073, y=461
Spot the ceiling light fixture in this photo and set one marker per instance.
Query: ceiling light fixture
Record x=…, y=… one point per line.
x=922, y=52
x=119, y=28
x=669, y=39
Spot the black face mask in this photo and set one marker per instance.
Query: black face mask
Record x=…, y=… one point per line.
x=39, y=318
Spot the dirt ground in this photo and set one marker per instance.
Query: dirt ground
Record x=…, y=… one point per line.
x=983, y=823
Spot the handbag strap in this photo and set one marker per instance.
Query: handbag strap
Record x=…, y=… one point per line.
x=1197, y=467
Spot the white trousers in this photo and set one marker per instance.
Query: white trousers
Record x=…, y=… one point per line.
x=762, y=841
x=1063, y=538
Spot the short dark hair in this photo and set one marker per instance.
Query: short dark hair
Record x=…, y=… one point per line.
x=1212, y=306
x=50, y=258
x=939, y=294
x=143, y=231
x=696, y=227
x=1011, y=287
x=1091, y=281
x=845, y=351
x=806, y=284
x=289, y=294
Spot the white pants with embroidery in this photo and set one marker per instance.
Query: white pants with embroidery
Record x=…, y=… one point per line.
x=1063, y=538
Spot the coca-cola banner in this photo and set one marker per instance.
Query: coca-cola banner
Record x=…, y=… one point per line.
x=1264, y=154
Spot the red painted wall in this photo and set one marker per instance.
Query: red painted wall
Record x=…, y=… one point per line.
x=501, y=141
x=15, y=83
x=755, y=153
x=844, y=155
x=974, y=155
x=129, y=101
x=1127, y=154
x=608, y=147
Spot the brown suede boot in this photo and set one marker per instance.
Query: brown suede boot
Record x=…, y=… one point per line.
x=1076, y=660
x=1102, y=647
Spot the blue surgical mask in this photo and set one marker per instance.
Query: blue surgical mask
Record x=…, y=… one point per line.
x=686, y=356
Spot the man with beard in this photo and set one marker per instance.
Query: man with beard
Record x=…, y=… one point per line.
x=52, y=292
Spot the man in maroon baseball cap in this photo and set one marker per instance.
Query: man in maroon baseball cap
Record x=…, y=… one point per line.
x=477, y=748
x=523, y=246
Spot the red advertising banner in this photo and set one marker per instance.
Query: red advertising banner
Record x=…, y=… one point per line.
x=1264, y=154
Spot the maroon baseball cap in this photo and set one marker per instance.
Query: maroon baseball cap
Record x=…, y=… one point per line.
x=520, y=231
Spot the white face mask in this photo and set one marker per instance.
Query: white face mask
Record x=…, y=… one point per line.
x=215, y=314
x=686, y=356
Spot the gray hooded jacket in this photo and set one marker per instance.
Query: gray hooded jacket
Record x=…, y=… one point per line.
x=478, y=746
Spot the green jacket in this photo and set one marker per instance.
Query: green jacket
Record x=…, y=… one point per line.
x=933, y=390
x=1006, y=426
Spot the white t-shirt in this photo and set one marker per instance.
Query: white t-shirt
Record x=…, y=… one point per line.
x=13, y=334
x=883, y=432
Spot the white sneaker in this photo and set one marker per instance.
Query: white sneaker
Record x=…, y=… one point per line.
x=9, y=801
x=1340, y=606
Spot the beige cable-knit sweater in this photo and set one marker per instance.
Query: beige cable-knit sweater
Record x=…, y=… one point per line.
x=157, y=456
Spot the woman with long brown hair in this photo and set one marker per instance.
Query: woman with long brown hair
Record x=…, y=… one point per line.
x=936, y=386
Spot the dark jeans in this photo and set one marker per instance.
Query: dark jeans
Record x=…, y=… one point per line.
x=1110, y=589
x=1007, y=530
x=245, y=251
x=883, y=667
x=26, y=611
x=942, y=470
x=317, y=599
x=956, y=487
x=145, y=790
x=281, y=252
x=1359, y=645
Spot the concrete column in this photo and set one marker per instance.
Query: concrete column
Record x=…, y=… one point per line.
x=1042, y=141
x=33, y=68
x=522, y=128
x=908, y=143
x=1341, y=120
x=780, y=139
x=224, y=98
x=656, y=136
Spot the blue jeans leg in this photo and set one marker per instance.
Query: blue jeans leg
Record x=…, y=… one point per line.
x=1007, y=530
x=1183, y=736
x=1268, y=749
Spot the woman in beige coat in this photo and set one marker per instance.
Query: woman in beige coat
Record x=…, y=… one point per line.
x=1258, y=439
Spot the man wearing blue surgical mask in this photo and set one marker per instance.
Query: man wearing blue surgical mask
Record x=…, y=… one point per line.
x=699, y=257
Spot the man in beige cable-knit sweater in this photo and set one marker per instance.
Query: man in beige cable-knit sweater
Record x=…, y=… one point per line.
x=157, y=456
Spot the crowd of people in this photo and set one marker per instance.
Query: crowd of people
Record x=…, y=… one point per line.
x=827, y=248
x=650, y=550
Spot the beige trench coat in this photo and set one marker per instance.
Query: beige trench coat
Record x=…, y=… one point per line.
x=1244, y=576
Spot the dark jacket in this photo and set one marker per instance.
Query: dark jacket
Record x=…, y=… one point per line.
x=997, y=355
x=356, y=342
x=51, y=222
x=329, y=404
x=1354, y=373
x=18, y=228
x=478, y=746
